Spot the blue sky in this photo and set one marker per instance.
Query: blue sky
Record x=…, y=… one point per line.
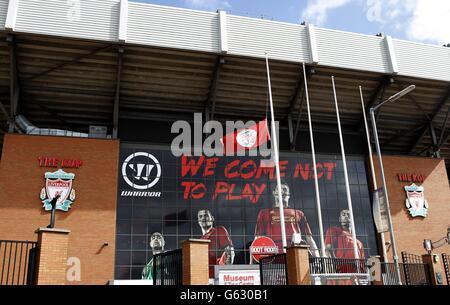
x=425, y=21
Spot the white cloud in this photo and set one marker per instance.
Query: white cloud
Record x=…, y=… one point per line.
x=419, y=20
x=208, y=4
x=316, y=11
x=430, y=21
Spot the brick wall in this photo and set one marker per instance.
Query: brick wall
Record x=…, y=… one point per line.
x=92, y=218
x=410, y=232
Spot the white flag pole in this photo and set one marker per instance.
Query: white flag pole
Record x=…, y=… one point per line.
x=347, y=185
x=277, y=161
x=372, y=169
x=316, y=182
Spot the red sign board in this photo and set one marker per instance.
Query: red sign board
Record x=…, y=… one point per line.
x=262, y=247
x=61, y=163
x=408, y=177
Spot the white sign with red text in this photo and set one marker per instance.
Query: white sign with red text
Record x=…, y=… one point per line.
x=246, y=275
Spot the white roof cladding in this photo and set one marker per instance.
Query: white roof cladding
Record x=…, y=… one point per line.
x=173, y=28
x=161, y=26
x=3, y=11
x=254, y=37
x=86, y=19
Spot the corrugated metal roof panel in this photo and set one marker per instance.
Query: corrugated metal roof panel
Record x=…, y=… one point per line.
x=352, y=51
x=173, y=28
x=253, y=37
x=3, y=12
x=421, y=60
x=94, y=19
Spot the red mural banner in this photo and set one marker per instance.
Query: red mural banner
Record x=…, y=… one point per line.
x=196, y=167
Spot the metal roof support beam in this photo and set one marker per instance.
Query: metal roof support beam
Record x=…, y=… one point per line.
x=297, y=125
x=314, y=53
x=211, y=101
x=3, y=109
x=444, y=126
x=73, y=61
x=401, y=134
x=417, y=140
x=120, y=52
x=223, y=31
x=435, y=148
x=290, y=129
x=438, y=109
x=299, y=89
x=123, y=21
x=11, y=15
x=299, y=92
x=384, y=82
x=13, y=82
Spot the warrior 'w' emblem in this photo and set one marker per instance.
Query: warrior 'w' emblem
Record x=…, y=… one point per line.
x=58, y=182
x=415, y=201
x=247, y=138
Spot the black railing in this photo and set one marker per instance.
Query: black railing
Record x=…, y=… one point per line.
x=409, y=258
x=389, y=274
x=416, y=271
x=329, y=265
x=446, y=261
x=273, y=270
x=17, y=262
x=167, y=268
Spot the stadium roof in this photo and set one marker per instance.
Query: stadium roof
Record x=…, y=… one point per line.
x=69, y=65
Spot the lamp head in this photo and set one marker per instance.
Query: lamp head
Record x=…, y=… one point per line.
x=402, y=93
x=428, y=245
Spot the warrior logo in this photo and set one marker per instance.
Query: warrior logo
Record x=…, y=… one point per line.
x=415, y=201
x=141, y=170
x=58, y=183
x=247, y=138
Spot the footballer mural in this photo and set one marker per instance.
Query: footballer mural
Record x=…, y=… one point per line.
x=233, y=202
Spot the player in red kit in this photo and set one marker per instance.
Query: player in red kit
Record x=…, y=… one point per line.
x=339, y=242
x=295, y=223
x=221, y=250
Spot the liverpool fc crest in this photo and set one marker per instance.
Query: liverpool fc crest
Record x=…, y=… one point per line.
x=58, y=183
x=415, y=201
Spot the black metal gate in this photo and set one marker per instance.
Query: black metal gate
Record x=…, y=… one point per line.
x=168, y=268
x=273, y=270
x=17, y=262
x=446, y=261
x=416, y=272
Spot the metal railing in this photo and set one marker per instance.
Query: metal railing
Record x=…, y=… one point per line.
x=17, y=262
x=446, y=261
x=167, y=268
x=329, y=265
x=389, y=274
x=273, y=270
x=416, y=271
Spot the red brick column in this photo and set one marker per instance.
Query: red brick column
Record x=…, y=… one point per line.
x=434, y=266
x=195, y=262
x=297, y=260
x=52, y=256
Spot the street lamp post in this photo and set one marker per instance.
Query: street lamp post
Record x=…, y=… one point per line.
x=380, y=163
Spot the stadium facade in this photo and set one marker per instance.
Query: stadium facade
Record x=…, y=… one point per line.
x=90, y=91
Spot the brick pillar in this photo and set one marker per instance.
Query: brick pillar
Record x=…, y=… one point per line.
x=52, y=256
x=434, y=265
x=375, y=270
x=297, y=260
x=195, y=262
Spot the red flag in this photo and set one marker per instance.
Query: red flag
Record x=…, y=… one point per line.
x=247, y=138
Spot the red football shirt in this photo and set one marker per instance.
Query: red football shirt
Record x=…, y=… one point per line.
x=268, y=224
x=342, y=243
x=220, y=239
